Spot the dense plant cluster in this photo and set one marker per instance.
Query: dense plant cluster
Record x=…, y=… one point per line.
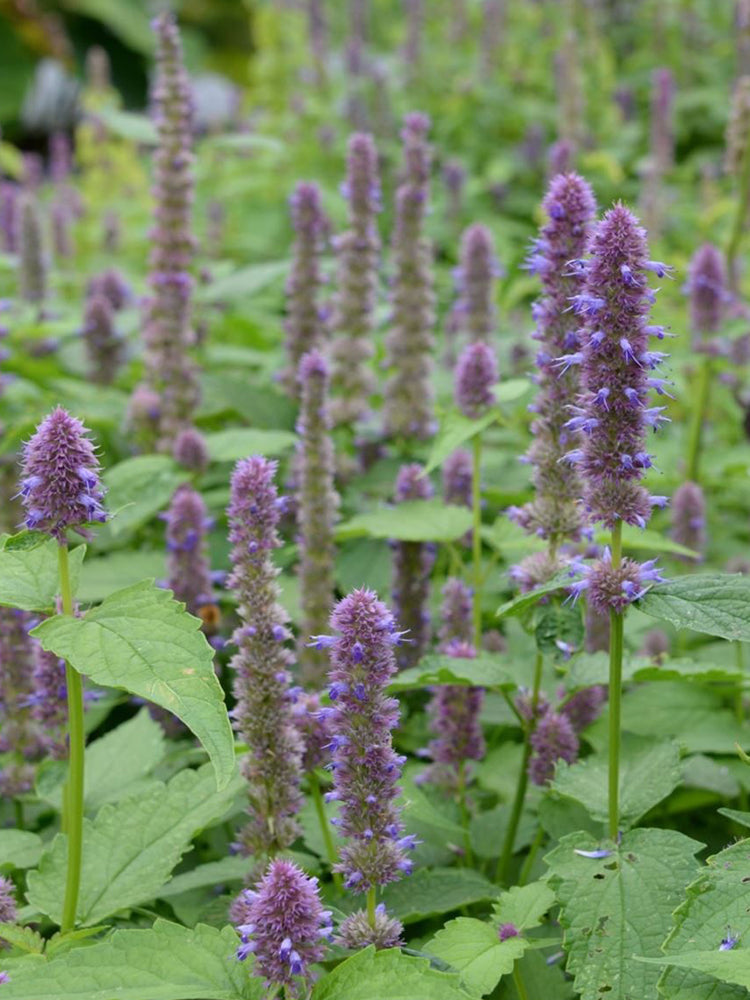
x=359, y=636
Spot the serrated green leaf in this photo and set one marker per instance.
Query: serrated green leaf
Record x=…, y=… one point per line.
x=717, y=604
x=646, y=540
x=715, y=906
x=142, y=641
x=19, y=849
x=434, y=891
x=23, y=938
x=166, y=962
x=524, y=906
x=411, y=521
x=486, y=670
x=474, y=949
x=620, y=906
x=130, y=848
x=455, y=430
x=385, y=975
x=239, y=442
x=138, y=488
x=234, y=868
x=558, y=630
x=29, y=577
x=101, y=576
x=523, y=602
x=730, y=967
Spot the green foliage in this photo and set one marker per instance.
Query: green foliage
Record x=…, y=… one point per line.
x=439, y=890
x=131, y=847
x=411, y=521
x=137, y=489
x=486, y=670
x=620, y=906
x=375, y=975
x=455, y=430
x=142, y=641
x=717, y=604
x=239, y=442
x=29, y=574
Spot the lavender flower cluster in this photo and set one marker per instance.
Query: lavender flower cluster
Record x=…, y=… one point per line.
x=412, y=565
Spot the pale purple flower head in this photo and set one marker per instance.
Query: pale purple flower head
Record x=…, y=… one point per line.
x=113, y=286
x=613, y=588
x=20, y=737
x=475, y=312
x=662, y=119
x=32, y=266
x=313, y=726
x=190, y=450
x=689, y=519
x=284, y=926
x=365, y=767
x=60, y=485
x=476, y=374
x=457, y=478
x=553, y=739
x=454, y=712
x=507, y=931
x=356, y=932
x=707, y=287
x=49, y=701
x=8, y=905
x=412, y=565
x=104, y=346
x=584, y=706
x=455, y=613
x=189, y=574
x=560, y=157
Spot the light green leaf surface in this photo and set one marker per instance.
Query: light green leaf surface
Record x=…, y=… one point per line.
x=19, y=849
x=29, y=577
x=649, y=772
x=233, y=868
x=243, y=283
x=130, y=848
x=524, y=602
x=455, y=430
x=240, y=442
x=385, y=975
x=439, y=890
x=617, y=907
x=138, y=488
x=141, y=640
x=166, y=962
x=102, y=576
x=486, y=670
x=717, y=604
x=129, y=125
x=411, y=521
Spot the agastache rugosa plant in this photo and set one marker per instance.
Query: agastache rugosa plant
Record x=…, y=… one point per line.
x=661, y=154
x=169, y=371
x=263, y=714
x=689, y=519
x=409, y=403
x=317, y=508
x=366, y=769
x=104, y=346
x=61, y=491
x=305, y=322
x=358, y=258
x=613, y=417
x=738, y=166
x=32, y=271
x=189, y=572
x=18, y=733
x=475, y=311
x=190, y=450
x=412, y=565
x=709, y=297
x=282, y=923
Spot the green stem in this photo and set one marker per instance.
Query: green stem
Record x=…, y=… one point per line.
x=476, y=536
x=739, y=709
x=699, y=415
x=76, y=737
x=19, y=814
x=739, y=220
x=615, y=693
x=371, y=907
x=519, y=984
x=325, y=827
x=468, y=855
x=503, y=862
x=523, y=877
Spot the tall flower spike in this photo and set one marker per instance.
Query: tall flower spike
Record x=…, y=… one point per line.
x=476, y=374
x=104, y=346
x=32, y=268
x=263, y=713
x=190, y=450
x=457, y=476
x=365, y=767
x=358, y=259
x=60, y=485
x=313, y=726
x=662, y=119
x=412, y=565
x=189, y=574
x=738, y=127
x=554, y=513
x=475, y=310
x=305, y=321
x=689, y=519
x=409, y=403
x=707, y=287
x=49, y=704
x=455, y=614
x=19, y=735
x=168, y=335
x=317, y=507
x=8, y=905
x=553, y=739
x=283, y=924
x=10, y=212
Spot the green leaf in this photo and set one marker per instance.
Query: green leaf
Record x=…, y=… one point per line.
x=411, y=521
x=138, y=488
x=737, y=816
x=129, y=125
x=474, y=949
x=646, y=540
x=510, y=391
x=244, y=283
x=439, y=890
x=130, y=848
x=29, y=576
x=729, y=967
x=715, y=906
x=486, y=670
x=23, y=938
x=19, y=849
x=166, y=962
x=117, y=764
x=233, y=868
x=525, y=905
x=383, y=975
x=616, y=907
x=455, y=430
x=142, y=641
x=717, y=604
x=126, y=20
x=649, y=772
x=519, y=605
x=244, y=142
x=558, y=630
x=239, y=442
x=103, y=575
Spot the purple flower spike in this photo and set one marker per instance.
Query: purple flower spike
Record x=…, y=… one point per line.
x=555, y=512
x=506, y=931
x=32, y=268
x=8, y=905
x=409, y=402
x=707, y=287
x=358, y=259
x=60, y=485
x=553, y=739
x=476, y=374
x=365, y=767
x=584, y=707
x=412, y=565
x=356, y=932
x=263, y=713
x=304, y=326
x=49, y=706
x=662, y=120
x=475, y=310
x=283, y=924
x=113, y=286
x=190, y=450
x=189, y=574
x=455, y=614
x=313, y=725
x=689, y=519
x=457, y=478
x=169, y=371
x=317, y=510
x=738, y=127
x=104, y=346
x=20, y=736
